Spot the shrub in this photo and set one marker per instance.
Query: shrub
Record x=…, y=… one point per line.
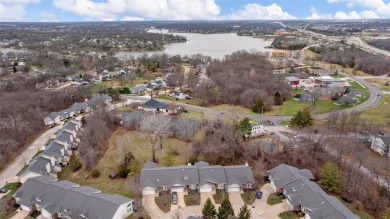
x=300, y=214
x=123, y=172
x=74, y=163
x=95, y=173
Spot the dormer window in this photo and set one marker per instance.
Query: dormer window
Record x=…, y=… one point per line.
x=158, y=180
x=186, y=178
x=39, y=199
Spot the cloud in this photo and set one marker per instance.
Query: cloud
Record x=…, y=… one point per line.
x=380, y=7
x=258, y=12
x=132, y=18
x=12, y=12
x=150, y=9
x=367, y=14
x=48, y=17
x=19, y=2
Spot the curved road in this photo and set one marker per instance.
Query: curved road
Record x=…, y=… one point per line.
x=372, y=101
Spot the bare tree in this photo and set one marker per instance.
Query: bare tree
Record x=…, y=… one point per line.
x=156, y=127
x=315, y=95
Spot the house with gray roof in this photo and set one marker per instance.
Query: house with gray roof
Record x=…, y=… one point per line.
x=41, y=166
x=138, y=89
x=381, y=144
x=155, y=106
x=53, y=118
x=302, y=194
x=178, y=95
x=200, y=176
x=65, y=199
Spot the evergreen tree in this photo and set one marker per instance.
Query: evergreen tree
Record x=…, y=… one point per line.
x=245, y=213
x=258, y=106
x=386, y=214
x=244, y=127
x=331, y=179
x=302, y=118
x=225, y=210
x=278, y=99
x=208, y=210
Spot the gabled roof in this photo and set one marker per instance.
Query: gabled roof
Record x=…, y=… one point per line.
x=54, y=115
x=212, y=175
x=385, y=139
x=300, y=190
x=64, y=137
x=69, y=199
x=238, y=174
x=154, y=104
x=54, y=150
x=37, y=166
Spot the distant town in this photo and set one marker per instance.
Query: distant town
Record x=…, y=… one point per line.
x=195, y=119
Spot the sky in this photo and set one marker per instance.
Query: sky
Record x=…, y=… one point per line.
x=138, y=10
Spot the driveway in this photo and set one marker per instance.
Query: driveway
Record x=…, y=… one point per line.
x=260, y=209
x=236, y=201
x=20, y=215
x=152, y=208
x=10, y=172
x=180, y=201
x=204, y=196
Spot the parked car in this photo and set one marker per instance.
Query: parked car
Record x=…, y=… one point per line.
x=259, y=194
x=174, y=198
x=3, y=190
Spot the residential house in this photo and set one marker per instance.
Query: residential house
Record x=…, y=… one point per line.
x=53, y=118
x=65, y=199
x=155, y=106
x=281, y=54
x=200, y=176
x=41, y=166
x=160, y=82
x=381, y=145
x=257, y=130
x=178, y=95
x=151, y=86
x=305, y=195
x=293, y=81
x=81, y=107
x=138, y=89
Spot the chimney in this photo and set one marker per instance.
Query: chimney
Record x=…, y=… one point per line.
x=246, y=163
x=48, y=168
x=189, y=164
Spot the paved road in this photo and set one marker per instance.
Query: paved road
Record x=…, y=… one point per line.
x=9, y=174
x=364, y=46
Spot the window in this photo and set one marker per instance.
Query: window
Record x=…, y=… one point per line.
x=165, y=188
x=129, y=209
x=248, y=185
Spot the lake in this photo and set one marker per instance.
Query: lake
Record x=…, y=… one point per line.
x=214, y=45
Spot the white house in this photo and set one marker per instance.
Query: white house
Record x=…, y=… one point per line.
x=381, y=145
x=53, y=118
x=65, y=199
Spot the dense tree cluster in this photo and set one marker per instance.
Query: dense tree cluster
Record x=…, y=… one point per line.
x=380, y=44
x=242, y=78
x=22, y=113
x=354, y=58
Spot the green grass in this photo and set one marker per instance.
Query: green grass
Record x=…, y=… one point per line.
x=356, y=86
x=12, y=187
x=197, y=116
x=193, y=101
x=288, y=215
x=379, y=114
x=38, y=153
x=249, y=197
x=361, y=214
x=24, y=167
x=273, y=199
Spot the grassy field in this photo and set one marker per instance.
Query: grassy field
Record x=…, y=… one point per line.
x=12, y=187
x=233, y=109
x=138, y=144
x=379, y=82
x=340, y=69
x=193, y=101
x=379, y=114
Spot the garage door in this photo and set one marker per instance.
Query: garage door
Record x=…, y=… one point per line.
x=233, y=189
x=148, y=191
x=177, y=189
x=206, y=188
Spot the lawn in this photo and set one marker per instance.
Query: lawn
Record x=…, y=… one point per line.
x=163, y=202
x=340, y=69
x=193, y=101
x=197, y=116
x=356, y=86
x=219, y=196
x=233, y=109
x=249, y=196
x=138, y=144
x=361, y=214
x=379, y=114
x=288, y=215
x=192, y=199
x=12, y=187
x=273, y=199
x=380, y=82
